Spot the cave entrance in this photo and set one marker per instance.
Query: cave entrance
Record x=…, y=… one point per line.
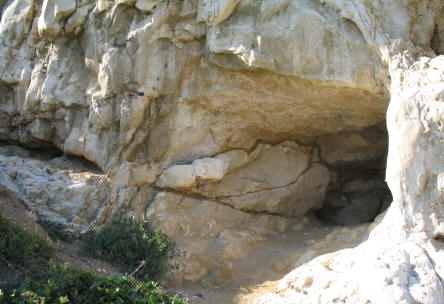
x=357, y=192
x=50, y=153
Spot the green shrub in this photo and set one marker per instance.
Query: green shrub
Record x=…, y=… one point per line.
x=134, y=245
x=56, y=231
x=62, y=284
x=21, y=247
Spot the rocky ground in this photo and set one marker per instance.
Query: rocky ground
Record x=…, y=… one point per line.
x=261, y=271
x=276, y=256
x=14, y=209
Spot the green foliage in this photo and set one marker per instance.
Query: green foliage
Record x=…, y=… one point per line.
x=133, y=244
x=56, y=231
x=62, y=284
x=21, y=247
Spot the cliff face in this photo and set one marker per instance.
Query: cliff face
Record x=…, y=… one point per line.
x=401, y=259
x=222, y=121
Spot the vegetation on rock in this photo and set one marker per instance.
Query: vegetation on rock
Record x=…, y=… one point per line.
x=135, y=245
x=21, y=247
x=56, y=231
x=62, y=284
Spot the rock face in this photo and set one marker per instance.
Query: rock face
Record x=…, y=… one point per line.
x=403, y=253
x=225, y=121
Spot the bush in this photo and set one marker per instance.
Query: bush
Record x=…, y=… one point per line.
x=21, y=247
x=62, y=284
x=56, y=231
x=134, y=245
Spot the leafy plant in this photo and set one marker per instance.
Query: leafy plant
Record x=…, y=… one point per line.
x=21, y=247
x=132, y=244
x=56, y=231
x=62, y=284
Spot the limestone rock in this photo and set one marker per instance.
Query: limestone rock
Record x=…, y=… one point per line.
x=270, y=167
x=209, y=232
x=146, y=5
x=15, y=55
x=180, y=215
x=235, y=159
x=40, y=185
x=237, y=244
x=103, y=5
x=296, y=199
x=178, y=177
x=353, y=147
x=213, y=169
x=402, y=254
x=52, y=14
x=241, y=107
x=437, y=42
x=14, y=21
x=213, y=12
x=148, y=111
x=358, y=210
x=77, y=19
x=277, y=179
x=144, y=174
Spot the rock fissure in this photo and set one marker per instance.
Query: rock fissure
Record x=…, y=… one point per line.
x=268, y=188
x=196, y=196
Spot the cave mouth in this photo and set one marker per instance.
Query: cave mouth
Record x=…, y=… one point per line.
x=357, y=192
x=437, y=41
x=357, y=196
x=50, y=153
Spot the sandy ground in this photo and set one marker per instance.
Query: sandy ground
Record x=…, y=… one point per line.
x=257, y=274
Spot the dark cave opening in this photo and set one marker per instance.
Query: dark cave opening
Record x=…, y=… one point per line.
x=357, y=196
x=357, y=192
x=51, y=154
x=437, y=41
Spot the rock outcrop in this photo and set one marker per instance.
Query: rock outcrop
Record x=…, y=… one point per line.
x=226, y=121
x=401, y=262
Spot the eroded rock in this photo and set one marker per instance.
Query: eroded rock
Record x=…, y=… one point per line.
x=52, y=14
x=213, y=235
x=205, y=113
x=401, y=252
x=77, y=19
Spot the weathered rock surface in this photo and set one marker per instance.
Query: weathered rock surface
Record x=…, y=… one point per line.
x=52, y=14
x=213, y=235
x=401, y=262
x=277, y=179
x=225, y=121
x=70, y=90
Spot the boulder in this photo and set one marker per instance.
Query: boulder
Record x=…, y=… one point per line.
x=178, y=177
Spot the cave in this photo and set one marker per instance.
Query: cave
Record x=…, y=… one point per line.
x=357, y=191
x=49, y=153
x=437, y=41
